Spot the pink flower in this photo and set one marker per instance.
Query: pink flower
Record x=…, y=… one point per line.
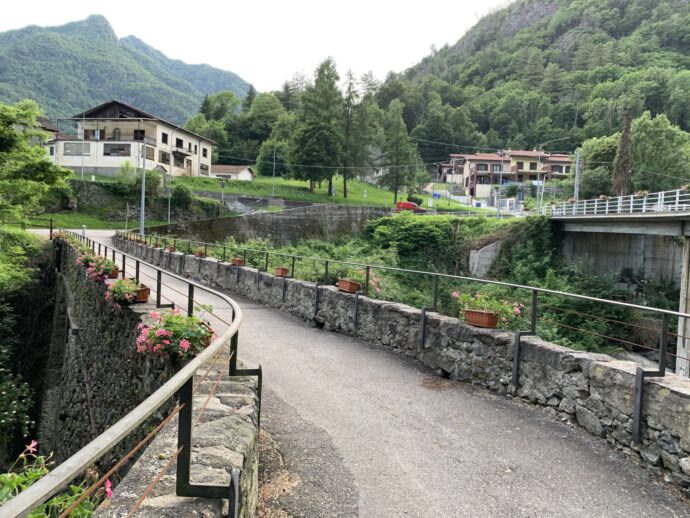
x=108, y=488
x=154, y=314
x=184, y=344
x=31, y=447
x=516, y=311
x=455, y=294
x=378, y=290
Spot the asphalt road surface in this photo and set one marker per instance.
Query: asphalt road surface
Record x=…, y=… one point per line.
x=365, y=432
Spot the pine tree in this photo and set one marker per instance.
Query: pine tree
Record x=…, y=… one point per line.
x=398, y=152
x=205, y=108
x=623, y=161
x=248, y=99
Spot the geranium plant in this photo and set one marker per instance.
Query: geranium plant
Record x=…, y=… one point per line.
x=174, y=335
x=122, y=291
x=99, y=268
x=509, y=313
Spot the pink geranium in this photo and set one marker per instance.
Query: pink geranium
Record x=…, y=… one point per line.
x=108, y=488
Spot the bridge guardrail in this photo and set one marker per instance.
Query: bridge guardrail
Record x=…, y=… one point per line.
x=638, y=203
x=221, y=253
x=181, y=384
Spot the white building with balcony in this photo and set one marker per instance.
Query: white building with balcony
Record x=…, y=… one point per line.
x=115, y=132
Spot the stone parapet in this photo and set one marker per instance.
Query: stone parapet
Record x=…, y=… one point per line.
x=594, y=390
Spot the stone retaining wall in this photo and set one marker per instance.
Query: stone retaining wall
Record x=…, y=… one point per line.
x=325, y=222
x=593, y=390
x=95, y=377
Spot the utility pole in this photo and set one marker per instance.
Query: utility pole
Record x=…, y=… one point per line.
x=576, y=194
x=142, y=214
x=500, y=183
x=83, y=122
x=274, y=169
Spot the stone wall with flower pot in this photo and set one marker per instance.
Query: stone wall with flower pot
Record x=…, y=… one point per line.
x=592, y=390
x=96, y=376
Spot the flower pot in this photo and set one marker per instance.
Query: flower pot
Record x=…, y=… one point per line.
x=237, y=261
x=157, y=245
x=348, y=286
x=114, y=273
x=170, y=248
x=199, y=253
x=206, y=340
x=281, y=272
x=142, y=294
x=479, y=318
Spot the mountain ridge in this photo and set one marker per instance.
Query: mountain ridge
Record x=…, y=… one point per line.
x=56, y=66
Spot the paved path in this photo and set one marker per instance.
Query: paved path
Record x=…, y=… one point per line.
x=370, y=434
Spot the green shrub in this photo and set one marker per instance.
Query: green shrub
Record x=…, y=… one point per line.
x=182, y=197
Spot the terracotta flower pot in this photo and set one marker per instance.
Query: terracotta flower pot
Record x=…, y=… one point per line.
x=281, y=272
x=348, y=286
x=479, y=318
x=170, y=248
x=157, y=245
x=237, y=261
x=114, y=273
x=142, y=294
x=199, y=253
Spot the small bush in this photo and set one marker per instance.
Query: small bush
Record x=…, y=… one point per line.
x=182, y=197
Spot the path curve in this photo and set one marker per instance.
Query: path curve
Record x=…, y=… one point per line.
x=388, y=438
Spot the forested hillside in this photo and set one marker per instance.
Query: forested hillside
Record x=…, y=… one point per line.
x=539, y=70
x=79, y=65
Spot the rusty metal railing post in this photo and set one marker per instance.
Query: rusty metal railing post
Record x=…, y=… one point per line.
x=190, y=300
x=366, y=280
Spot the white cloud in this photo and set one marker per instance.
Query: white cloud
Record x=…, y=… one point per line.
x=266, y=42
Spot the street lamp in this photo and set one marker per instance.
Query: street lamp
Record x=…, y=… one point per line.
x=540, y=199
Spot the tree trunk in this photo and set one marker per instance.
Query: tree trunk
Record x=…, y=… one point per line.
x=311, y=185
x=330, y=185
x=344, y=183
x=395, y=195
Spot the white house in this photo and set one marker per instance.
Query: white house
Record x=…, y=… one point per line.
x=115, y=132
x=233, y=172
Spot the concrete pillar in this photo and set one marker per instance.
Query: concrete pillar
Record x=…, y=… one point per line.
x=683, y=366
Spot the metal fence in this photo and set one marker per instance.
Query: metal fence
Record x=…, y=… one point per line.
x=180, y=385
x=639, y=203
x=540, y=303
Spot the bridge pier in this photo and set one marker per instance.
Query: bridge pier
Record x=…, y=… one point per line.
x=683, y=348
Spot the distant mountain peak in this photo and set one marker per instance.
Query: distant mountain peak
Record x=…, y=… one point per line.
x=62, y=69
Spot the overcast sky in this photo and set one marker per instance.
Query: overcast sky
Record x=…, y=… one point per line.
x=267, y=42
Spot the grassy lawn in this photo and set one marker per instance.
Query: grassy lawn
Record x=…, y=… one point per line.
x=297, y=190
x=77, y=219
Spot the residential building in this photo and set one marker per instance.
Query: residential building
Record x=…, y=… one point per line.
x=478, y=172
x=233, y=172
x=115, y=132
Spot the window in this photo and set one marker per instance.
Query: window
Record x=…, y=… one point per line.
x=117, y=150
x=116, y=134
x=163, y=157
x=557, y=169
x=204, y=152
x=204, y=169
x=164, y=138
x=520, y=166
x=188, y=165
x=532, y=166
x=52, y=150
x=139, y=134
x=496, y=168
x=482, y=167
x=567, y=169
x=150, y=153
x=93, y=134
x=179, y=143
x=195, y=150
x=178, y=160
x=76, y=148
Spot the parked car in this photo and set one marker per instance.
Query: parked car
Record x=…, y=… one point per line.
x=408, y=205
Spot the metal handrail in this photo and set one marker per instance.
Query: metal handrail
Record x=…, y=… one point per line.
x=156, y=238
x=68, y=470
x=641, y=203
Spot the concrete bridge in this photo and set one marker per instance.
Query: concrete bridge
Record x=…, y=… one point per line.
x=619, y=230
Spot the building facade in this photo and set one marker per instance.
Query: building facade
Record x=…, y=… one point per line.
x=478, y=173
x=113, y=133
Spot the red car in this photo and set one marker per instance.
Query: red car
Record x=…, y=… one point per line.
x=408, y=205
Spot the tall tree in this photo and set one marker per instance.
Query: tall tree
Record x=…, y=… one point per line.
x=316, y=147
x=248, y=99
x=623, y=161
x=26, y=173
x=399, y=154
